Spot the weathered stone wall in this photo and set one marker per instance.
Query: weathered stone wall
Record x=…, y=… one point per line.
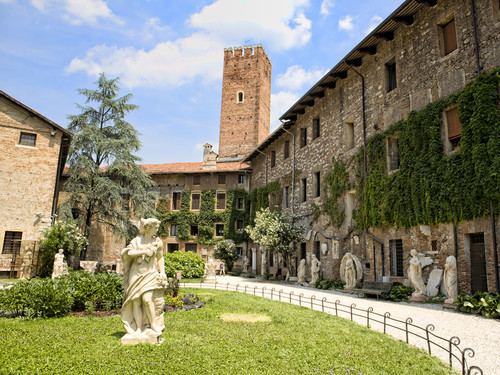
x=27, y=174
x=243, y=125
x=423, y=75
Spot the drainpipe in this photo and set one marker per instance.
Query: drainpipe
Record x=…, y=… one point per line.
x=365, y=158
x=56, y=185
x=476, y=44
x=293, y=167
x=495, y=249
x=266, y=161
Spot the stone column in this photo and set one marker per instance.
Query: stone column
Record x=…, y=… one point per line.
x=254, y=260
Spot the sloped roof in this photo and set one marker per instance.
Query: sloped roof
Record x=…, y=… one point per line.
x=193, y=167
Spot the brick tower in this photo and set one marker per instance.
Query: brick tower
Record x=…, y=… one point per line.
x=246, y=101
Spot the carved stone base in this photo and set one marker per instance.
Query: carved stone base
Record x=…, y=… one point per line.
x=448, y=304
x=418, y=298
x=347, y=290
x=148, y=336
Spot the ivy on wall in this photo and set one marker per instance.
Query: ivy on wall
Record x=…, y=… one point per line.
x=430, y=186
x=259, y=198
x=205, y=218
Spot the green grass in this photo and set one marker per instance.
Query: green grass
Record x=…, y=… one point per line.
x=296, y=341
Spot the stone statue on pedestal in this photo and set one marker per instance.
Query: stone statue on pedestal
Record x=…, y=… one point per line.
x=417, y=263
x=450, y=280
x=60, y=266
x=301, y=272
x=144, y=283
x=351, y=271
x=315, y=267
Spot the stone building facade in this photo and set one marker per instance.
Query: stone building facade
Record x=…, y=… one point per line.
x=34, y=150
x=423, y=52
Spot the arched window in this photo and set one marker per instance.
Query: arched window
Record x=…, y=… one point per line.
x=240, y=97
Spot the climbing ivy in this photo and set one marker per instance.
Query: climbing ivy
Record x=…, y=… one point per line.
x=205, y=218
x=335, y=183
x=259, y=198
x=430, y=186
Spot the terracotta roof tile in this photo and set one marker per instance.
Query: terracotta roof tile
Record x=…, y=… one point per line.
x=193, y=167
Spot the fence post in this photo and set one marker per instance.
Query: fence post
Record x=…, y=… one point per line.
x=300, y=298
x=471, y=354
x=323, y=304
x=227, y=286
x=336, y=310
x=279, y=294
x=454, y=340
x=312, y=297
x=352, y=306
x=429, y=327
x=272, y=290
x=386, y=315
x=255, y=287
x=407, y=322
x=291, y=296
x=263, y=288
x=370, y=309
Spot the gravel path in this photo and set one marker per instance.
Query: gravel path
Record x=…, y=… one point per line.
x=476, y=332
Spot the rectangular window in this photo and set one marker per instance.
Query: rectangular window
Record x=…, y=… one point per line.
x=449, y=37
x=171, y=247
x=349, y=135
x=273, y=159
x=239, y=226
x=195, y=201
x=176, y=201
x=350, y=205
x=303, y=137
x=286, y=150
x=219, y=230
x=286, y=197
x=196, y=179
x=317, y=184
x=27, y=139
x=392, y=154
x=173, y=230
x=12, y=242
x=240, y=203
x=221, y=179
x=396, y=255
x=241, y=179
x=193, y=230
x=303, y=190
x=453, y=126
x=390, y=74
x=221, y=201
x=316, y=128
x=191, y=247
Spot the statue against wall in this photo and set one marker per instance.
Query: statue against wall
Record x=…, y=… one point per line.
x=144, y=283
x=301, y=272
x=351, y=271
x=450, y=279
x=417, y=263
x=315, y=267
x=26, y=265
x=245, y=264
x=60, y=265
x=264, y=263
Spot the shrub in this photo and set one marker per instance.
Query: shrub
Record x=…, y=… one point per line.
x=173, y=287
x=329, y=284
x=103, y=290
x=487, y=304
x=61, y=235
x=191, y=265
x=226, y=250
x=38, y=298
x=399, y=293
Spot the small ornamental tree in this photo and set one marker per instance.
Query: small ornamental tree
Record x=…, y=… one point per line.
x=105, y=184
x=276, y=232
x=191, y=265
x=226, y=250
x=61, y=235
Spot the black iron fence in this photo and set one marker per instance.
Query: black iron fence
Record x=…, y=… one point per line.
x=411, y=333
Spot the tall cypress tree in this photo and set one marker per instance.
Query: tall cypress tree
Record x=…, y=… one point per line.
x=105, y=184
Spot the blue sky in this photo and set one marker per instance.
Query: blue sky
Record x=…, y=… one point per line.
x=169, y=54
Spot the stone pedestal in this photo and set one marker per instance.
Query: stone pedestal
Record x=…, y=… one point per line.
x=148, y=336
x=88, y=265
x=418, y=298
x=450, y=306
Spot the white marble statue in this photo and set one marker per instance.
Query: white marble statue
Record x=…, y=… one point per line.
x=245, y=264
x=26, y=266
x=301, y=272
x=450, y=279
x=351, y=271
x=315, y=267
x=60, y=265
x=144, y=283
x=417, y=263
x=264, y=263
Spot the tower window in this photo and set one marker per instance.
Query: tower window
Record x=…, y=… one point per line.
x=317, y=184
x=449, y=37
x=286, y=150
x=240, y=97
x=390, y=74
x=303, y=137
x=349, y=135
x=316, y=128
x=303, y=190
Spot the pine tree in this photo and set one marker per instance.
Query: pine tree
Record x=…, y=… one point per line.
x=105, y=184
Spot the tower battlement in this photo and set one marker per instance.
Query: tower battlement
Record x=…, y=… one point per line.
x=246, y=51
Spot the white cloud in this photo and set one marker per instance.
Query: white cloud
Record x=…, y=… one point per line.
x=280, y=103
x=78, y=12
x=346, y=23
x=296, y=77
x=374, y=22
x=326, y=5
x=224, y=23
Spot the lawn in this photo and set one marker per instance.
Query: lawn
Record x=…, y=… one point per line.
x=233, y=334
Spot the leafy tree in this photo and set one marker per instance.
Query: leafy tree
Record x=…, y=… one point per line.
x=226, y=250
x=61, y=235
x=276, y=232
x=105, y=184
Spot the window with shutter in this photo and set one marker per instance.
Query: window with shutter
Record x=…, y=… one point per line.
x=449, y=37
